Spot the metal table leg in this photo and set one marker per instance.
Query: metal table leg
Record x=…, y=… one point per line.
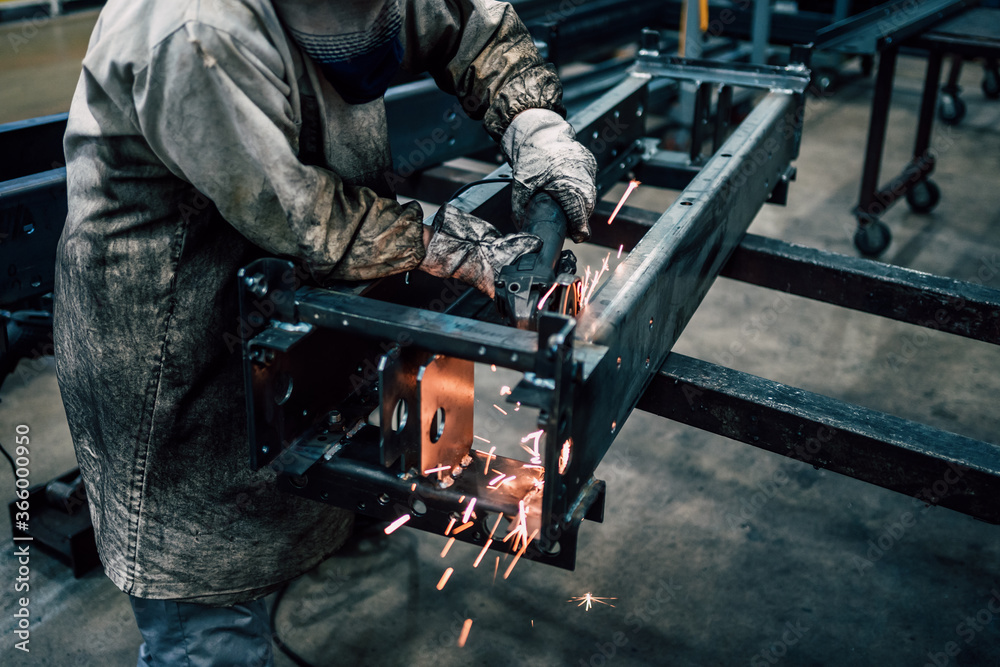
x=872, y=236
x=922, y=194
x=951, y=108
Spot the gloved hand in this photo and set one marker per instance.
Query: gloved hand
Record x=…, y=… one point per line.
x=542, y=149
x=472, y=250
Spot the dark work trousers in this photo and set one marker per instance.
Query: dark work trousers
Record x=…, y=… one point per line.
x=197, y=635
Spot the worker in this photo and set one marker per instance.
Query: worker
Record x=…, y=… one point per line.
x=204, y=135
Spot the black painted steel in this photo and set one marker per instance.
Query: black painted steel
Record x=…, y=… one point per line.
x=792, y=78
x=935, y=467
x=868, y=208
x=32, y=215
x=886, y=25
x=32, y=146
x=642, y=309
x=964, y=308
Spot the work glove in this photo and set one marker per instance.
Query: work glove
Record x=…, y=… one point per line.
x=542, y=149
x=472, y=250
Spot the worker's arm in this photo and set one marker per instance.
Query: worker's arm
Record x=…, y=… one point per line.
x=216, y=111
x=480, y=51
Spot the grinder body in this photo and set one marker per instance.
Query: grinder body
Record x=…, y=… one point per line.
x=547, y=276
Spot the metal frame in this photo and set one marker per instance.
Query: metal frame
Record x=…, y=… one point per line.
x=321, y=440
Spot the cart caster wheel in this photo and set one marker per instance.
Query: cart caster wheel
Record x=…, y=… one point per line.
x=951, y=109
x=873, y=239
x=991, y=84
x=923, y=196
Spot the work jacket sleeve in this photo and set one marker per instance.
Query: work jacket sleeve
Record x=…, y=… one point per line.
x=216, y=110
x=480, y=51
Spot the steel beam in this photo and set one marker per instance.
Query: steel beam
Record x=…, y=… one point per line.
x=649, y=299
x=886, y=25
x=934, y=466
x=32, y=146
x=954, y=306
x=959, y=307
x=32, y=215
x=791, y=78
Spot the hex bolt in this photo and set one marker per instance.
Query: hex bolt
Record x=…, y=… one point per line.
x=334, y=417
x=257, y=284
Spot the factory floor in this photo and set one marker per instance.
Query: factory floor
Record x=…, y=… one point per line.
x=712, y=552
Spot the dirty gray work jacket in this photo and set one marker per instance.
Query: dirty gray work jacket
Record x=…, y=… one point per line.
x=186, y=159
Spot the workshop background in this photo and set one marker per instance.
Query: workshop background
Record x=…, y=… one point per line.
x=712, y=552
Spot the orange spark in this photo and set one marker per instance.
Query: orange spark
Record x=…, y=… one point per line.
x=620, y=248
x=451, y=524
x=489, y=458
x=502, y=411
x=483, y=439
x=541, y=302
x=468, y=510
x=447, y=547
x=391, y=528
x=438, y=469
x=520, y=530
x=505, y=390
x=496, y=568
x=489, y=541
x=493, y=367
x=445, y=577
x=520, y=553
x=589, y=600
x=462, y=527
x=500, y=481
x=461, y=500
x=632, y=185
x=536, y=457
x=413, y=487
x=564, y=456
x=465, y=632
x=593, y=284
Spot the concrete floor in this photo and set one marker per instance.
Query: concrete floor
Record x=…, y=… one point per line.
x=695, y=582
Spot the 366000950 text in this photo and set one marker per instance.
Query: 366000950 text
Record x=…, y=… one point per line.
x=22, y=540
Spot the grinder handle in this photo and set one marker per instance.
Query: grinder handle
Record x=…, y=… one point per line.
x=545, y=218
